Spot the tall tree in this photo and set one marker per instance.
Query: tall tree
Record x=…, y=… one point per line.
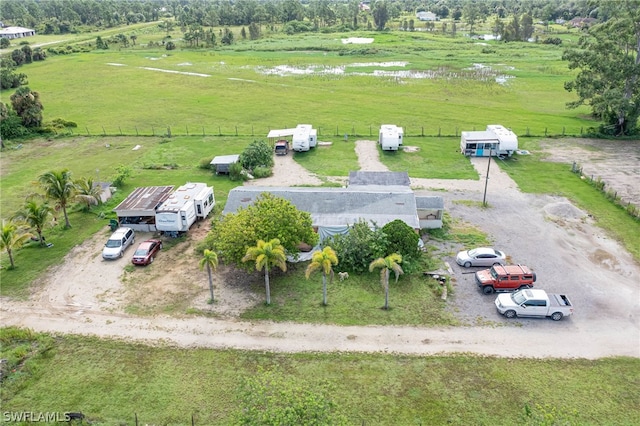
x=37, y=214
x=27, y=105
x=387, y=264
x=324, y=260
x=13, y=236
x=58, y=186
x=380, y=13
x=267, y=255
x=608, y=60
x=210, y=261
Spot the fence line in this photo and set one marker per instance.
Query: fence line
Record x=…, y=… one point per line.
x=348, y=130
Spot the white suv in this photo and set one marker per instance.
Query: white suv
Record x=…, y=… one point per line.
x=118, y=243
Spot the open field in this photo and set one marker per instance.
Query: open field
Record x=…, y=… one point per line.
x=429, y=84
x=109, y=381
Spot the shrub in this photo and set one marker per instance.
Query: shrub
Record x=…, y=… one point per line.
x=236, y=172
x=359, y=246
x=205, y=164
x=402, y=239
x=262, y=172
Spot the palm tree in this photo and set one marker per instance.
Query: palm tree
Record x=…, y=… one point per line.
x=267, y=255
x=13, y=235
x=35, y=214
x=87, y=192
x=323, y=260
x=210, y=260
x=59, y=187
x=388, y=264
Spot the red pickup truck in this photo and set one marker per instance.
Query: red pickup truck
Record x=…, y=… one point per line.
x=505, y=278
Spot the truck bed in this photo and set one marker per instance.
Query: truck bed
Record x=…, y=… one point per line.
x=559, y=300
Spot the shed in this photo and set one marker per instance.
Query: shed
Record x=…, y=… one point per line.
x=138, y=210
x=430, y=211
x=221, y=163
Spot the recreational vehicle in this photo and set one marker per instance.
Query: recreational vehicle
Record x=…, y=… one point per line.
x=496, y=140
x=390, y=137
x=184, y=206
x=304, y=137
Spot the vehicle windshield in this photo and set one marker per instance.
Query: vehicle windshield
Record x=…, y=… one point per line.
x=114, y=243
x=518, y=298
x=494, y=274
x=141, y=252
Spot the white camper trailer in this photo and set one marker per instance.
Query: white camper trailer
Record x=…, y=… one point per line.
x=495, y=141
x=304, y=137
x=390, y=137
x=184, y=206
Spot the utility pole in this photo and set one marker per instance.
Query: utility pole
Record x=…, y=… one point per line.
x=486, y=181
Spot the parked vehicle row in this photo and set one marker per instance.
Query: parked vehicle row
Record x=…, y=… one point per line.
x=518, y=280
x=124, y=237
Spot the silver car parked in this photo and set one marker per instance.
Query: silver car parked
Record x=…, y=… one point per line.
x=481, y=256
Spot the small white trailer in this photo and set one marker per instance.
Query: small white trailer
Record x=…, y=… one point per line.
x=184, y=206
x=390, y=137
x=304, y=137
x=496, y=140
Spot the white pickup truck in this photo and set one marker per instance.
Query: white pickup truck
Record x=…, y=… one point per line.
x=534, y=303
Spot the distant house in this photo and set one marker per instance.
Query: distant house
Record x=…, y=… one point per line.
x=426, y=16
x=221, y=163
x=16, y=32
x=582, y=22
x=364, y=6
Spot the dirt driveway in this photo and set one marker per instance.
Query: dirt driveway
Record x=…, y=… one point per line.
x=87, y=295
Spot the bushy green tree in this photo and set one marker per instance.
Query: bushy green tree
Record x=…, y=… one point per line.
x=267, y=218
x=258, y=153
x=26, y=103
x=10, y=124
x=359, y=246
x=403, y=239
x=4, y=43
x=380, y=14
x=607, y=60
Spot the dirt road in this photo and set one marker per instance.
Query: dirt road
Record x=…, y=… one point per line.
x=86, y=295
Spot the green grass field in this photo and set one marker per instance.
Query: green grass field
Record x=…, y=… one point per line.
x=111, y=382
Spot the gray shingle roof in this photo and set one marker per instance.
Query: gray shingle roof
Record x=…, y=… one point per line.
x=379, y=178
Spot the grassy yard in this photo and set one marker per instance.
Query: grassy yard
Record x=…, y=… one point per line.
x=111, y=382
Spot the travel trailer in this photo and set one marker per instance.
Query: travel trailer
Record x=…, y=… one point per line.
x=495, y=141
x=390, y=137
x=184, y=206
x=304, y=137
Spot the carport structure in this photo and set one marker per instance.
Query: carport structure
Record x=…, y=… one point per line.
x=138, y=210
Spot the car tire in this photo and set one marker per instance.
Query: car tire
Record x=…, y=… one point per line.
x=160, y=246
x=151, y=260
x=497, y=264
x=487, y=289
x=556, y=316
x=510, y=314
x=121, y=253
x=467, y=264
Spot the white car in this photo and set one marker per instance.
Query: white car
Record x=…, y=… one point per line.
x=118, y=243
x=481, y=256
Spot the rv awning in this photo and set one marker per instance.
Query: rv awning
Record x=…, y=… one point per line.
x=278, y=133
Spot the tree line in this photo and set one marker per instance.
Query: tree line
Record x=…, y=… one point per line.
x=67, y=16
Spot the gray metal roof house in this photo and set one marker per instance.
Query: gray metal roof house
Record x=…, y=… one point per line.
x=333, y=210
x=365, y=178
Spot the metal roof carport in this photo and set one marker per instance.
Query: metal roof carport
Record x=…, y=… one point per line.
x=138, y=210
